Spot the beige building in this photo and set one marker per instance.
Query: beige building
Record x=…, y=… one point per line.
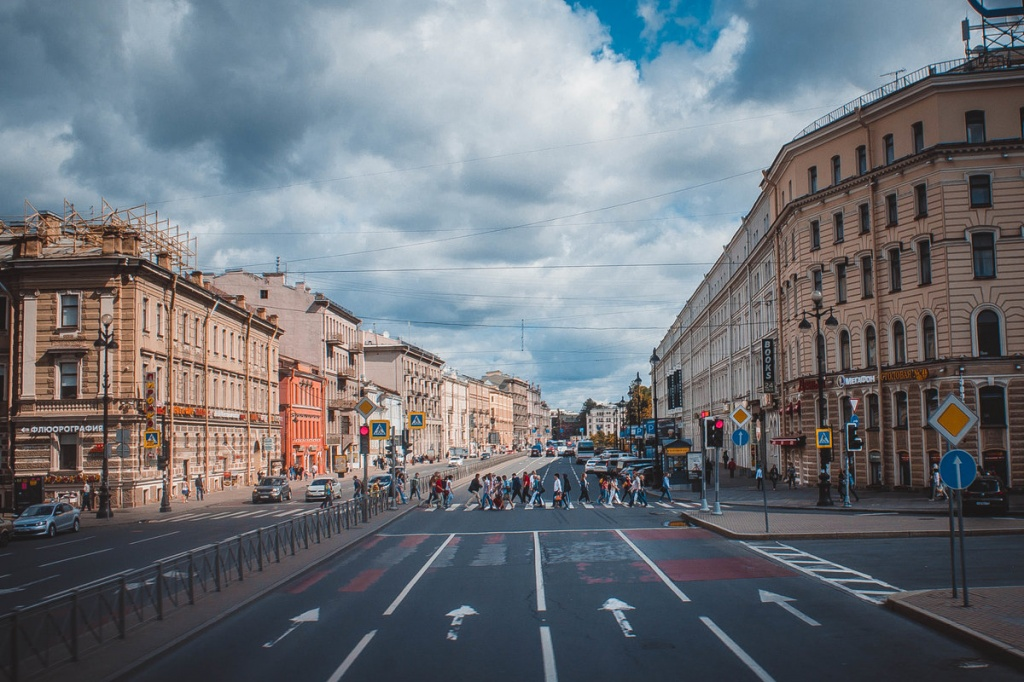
x=903, y=209
x=208, y=362
x=455, y=412
x=322, y=334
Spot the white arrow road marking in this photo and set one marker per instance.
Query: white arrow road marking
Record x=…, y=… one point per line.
x=311, y=616
x=767, y=596
x=457, y=615
x=617, y=607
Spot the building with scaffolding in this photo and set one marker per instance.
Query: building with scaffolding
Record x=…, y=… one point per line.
x=191, y=384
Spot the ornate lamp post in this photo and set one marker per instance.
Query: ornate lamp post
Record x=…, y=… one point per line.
x=825, y=454
x=105, y=341
x=654, y=403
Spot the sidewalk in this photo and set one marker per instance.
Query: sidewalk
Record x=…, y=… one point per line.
x=993, y=621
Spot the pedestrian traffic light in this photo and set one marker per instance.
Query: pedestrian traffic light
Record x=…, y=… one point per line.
x=364, y=439
x=716, y=435
x=854, y=443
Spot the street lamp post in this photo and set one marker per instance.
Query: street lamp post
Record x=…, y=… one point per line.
x=654, y=402
x=634, y=401
x=106, y=341
x=825, y=458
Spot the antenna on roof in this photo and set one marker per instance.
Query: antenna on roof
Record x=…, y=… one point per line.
x=895, y=74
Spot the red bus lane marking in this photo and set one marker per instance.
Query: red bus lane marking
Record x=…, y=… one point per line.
x=363, y=580
x=307, y=582
x=413, y=541
x=722, y=568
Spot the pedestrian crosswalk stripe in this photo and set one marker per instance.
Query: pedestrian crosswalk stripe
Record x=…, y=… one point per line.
x=454, y=506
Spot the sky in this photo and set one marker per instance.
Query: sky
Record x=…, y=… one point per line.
x=530, y=186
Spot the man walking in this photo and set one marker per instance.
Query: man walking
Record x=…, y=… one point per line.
x=200, y=490
x=666, y=489
x=474, y=492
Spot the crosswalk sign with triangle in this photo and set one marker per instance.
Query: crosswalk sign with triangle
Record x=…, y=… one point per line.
x=379, y=430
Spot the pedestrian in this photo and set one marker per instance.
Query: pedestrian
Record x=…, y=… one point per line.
x=200, y=490
x=357, y=488
x=414, y=487
x=613, y=492
x=791, y=476
x=935, y=482
x=759, y=476
x=732, y=468
x=328, y=496
x=639, y=494
x=517, y=489
x=449, y=494
x=559, y=494
x=538, y=490
x=773, y=476
x=86, y=496
x=432, y=490
x=400, y=478
x=474, y=492
x=666, y=488
x=185, y=492
x=566, y=489
x=851, y=485
x=584, y=489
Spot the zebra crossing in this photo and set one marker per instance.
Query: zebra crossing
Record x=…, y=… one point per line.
x=234, y=514
x=458, y=506
x=859, y=584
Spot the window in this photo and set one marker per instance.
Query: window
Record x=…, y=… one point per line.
x=867, y=277
x=3, y=382
x=837, y=171
x=924, y=262
x=872, y=411
x=159, y=319
x=975, y=121
x=917, y=132
x=900, y=408
x=928, y=338
x=899, y=343
x=895, y=278
x=921, y=200
x=69, y=310
x=862, y=160
x=983, y=247
x=870, y=347
x=68, y=380
x=145, y=313
x=992, y=401
x=840, y=230
x=264, y=294
x=815, y=235
x=816, y=280
x=844, y=351
x=931, y=403
x=67, y=453
x=892, y=215
x=989, y=336
x=981, y=191
x=812, y=179
x=864, y=210
x=841, y=282
x=890, y=148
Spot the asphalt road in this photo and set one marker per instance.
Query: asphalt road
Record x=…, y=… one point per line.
x=584, y=594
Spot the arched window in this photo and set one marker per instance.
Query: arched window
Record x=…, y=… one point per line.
x=900, y=409
x=844, y=350
x=928, y=338
x=899, y=343
x=992, y=400
x=989, y=339
x=870, y=347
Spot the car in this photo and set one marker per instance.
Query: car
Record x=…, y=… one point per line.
x=596, y=465
x=986, y=494
x=584, y=451
x=6, y=531
x=537, y=450
x=456, y=461
x=382, y=481
x=47, y=519
x=321, y=488
x=645, y=468
x=272, y=489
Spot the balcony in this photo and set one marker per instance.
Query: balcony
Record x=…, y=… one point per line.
x=342, y=404
x=339, y=341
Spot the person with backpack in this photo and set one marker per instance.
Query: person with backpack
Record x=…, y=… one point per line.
x=538, y=490
x=584, y=489
x=474, y=491
x=566, y=488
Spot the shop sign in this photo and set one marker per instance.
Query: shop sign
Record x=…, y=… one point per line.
x=63, y=428
x=768, y=365
x=856, y=380
x=919, y=374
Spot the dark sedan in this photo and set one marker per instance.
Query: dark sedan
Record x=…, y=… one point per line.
x=272, y=489
x=986, y=495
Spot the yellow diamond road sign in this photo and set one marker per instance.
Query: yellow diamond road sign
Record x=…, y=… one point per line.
x=366, y=407
x=953, y=419
x=740, y=416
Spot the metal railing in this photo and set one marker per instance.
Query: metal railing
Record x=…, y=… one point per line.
x=70, y=625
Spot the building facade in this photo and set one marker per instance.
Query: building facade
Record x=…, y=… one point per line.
x=302, y=418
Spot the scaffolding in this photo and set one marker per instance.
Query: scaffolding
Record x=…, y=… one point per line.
x=157, y=237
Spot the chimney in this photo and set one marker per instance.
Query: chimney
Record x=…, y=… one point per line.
x=261, y=313
x=111, y=241
x=30, y=246
x=131, y=244
x=163, y=260
x=272, y=319
x=240, y=301
x=197, y=277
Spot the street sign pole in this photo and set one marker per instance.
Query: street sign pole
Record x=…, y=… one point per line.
x=959, y=468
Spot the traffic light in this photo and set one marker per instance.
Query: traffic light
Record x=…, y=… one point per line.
x=716, y=433
x=161, y=462
x=854, y=443
x=706, y=431
x=364, y=439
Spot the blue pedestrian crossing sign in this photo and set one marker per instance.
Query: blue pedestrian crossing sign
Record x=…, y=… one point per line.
x=417, y=420
x=151, y=439
x=379, y=430
x=824, y=438
x=740, y=437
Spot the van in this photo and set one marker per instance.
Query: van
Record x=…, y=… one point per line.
x=584, y=451
x=617, y=464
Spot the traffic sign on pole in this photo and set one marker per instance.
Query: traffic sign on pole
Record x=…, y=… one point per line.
x=953, y=419
x=379, y=429
x=740, y=416
x=417, y=420
x=958, y=469
x=824, y=438
x=740, y=437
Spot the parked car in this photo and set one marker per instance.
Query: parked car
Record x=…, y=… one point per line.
x=321, y=488
x=6, y=531
x=986, y=494
x=272, y=489
x=47, y=519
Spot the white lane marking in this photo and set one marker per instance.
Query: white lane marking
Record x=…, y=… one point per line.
x=155, y=537
x=826, y=571
x=783, y=601
x=761, y=673
x=657, y=571
x=617, y=606
x=10, y=590
x=548, y=654
x=408, y=588
x=538, y=574
x=351, y=658
x=457, y=616
x=72, y=558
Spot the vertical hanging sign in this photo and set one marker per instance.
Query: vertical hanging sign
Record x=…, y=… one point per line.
x=768, y=365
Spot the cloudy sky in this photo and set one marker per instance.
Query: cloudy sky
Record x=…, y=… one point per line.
x=534, y=186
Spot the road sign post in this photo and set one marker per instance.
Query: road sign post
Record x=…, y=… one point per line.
x=959, y=469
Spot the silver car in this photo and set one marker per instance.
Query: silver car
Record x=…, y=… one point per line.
x=272, y=489
x=47, y=519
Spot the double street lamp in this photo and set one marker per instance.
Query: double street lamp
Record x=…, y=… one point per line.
x=825, y=454
x=106, y=341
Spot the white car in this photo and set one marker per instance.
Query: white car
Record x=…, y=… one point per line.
x=456, y=461
x=596, y=465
